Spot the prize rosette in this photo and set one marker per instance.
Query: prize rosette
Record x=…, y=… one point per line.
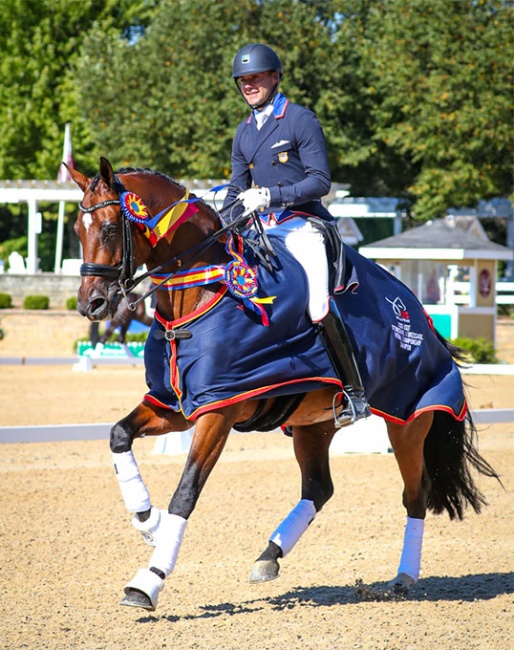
x=241, y=280
x=134, y=208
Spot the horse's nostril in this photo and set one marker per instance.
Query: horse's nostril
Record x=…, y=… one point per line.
x=97, y=308
x=96, y=304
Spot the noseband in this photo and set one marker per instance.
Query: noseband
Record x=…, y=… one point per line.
x=124, y=271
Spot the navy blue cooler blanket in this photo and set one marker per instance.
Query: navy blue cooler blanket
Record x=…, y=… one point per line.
x=232, y=356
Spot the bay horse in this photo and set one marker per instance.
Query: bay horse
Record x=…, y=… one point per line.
x=224, y=353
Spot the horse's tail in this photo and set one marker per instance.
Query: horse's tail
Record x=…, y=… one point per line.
x=450, y=453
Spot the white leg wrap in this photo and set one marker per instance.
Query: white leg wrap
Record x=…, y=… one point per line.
x=294, y=525
x=168, y=538
x=410, y=561
x=133, y=490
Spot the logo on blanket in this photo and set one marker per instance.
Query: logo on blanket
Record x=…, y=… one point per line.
x=402, y=329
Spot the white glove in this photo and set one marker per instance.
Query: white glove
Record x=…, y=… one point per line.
x=254, y=199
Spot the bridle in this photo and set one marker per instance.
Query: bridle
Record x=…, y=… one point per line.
x=124, y=271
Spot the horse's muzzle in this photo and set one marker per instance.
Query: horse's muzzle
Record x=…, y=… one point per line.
x=98, y=306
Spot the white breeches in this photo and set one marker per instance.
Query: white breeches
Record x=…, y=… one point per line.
x=307, y=246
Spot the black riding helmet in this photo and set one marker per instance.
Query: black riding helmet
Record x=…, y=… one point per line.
x=252, y=59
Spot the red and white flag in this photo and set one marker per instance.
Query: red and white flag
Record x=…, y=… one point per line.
x=67, y=156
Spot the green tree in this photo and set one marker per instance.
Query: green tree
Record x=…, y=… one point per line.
x=441, y=74
x=40, y=40
x=346, y=105
x=414, y=96
x=168, y=100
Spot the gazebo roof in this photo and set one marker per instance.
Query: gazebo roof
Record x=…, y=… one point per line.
x=441, y=239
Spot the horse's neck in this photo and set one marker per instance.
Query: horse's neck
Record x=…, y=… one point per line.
x=177, y=303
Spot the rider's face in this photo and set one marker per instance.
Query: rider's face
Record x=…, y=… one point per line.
x=257, y=88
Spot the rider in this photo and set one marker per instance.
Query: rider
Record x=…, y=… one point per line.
x=281, y=149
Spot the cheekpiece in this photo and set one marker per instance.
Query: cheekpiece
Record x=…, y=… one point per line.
x=133, y=207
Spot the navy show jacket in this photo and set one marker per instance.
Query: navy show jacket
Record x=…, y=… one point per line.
x=288, y=155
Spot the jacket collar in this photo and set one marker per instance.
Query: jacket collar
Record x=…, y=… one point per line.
x=280, y=104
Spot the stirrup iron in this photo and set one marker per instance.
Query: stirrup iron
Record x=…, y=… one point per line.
x=349, y=413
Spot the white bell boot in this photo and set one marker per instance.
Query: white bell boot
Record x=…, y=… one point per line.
x=148, y=528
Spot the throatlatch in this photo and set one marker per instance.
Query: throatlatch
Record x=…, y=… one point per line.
x=339, y=348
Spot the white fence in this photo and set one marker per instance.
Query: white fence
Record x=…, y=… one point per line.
x=504, y=293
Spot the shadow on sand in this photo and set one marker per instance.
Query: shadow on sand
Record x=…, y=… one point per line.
x=470, y=588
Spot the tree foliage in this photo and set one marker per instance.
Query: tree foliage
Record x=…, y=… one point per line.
x=40, y=40
x=415, y=97
x=442, y=76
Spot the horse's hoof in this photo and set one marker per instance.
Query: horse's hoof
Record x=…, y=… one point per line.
x=401, y=584
x=135, y=598
x=143, y=590
x=264, y=570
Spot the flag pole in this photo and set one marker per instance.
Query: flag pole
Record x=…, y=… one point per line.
x=59, y=238
x=63, y=177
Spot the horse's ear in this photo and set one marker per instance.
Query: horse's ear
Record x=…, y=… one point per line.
x=81, y=180
x=106, y=172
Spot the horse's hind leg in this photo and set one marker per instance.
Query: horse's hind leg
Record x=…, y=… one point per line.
x=408, y=442
x=311, y=445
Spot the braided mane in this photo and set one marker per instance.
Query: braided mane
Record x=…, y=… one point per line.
x=145, y=170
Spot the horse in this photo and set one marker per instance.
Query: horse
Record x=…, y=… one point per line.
x=122, y=320
x=205, y=273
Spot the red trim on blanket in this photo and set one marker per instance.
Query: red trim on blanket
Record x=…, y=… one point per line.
x=170, y=324
x=427, y=409
x=258, y=392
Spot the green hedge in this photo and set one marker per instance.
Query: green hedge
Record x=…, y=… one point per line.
x=480, y=350
x=71, y=303
x=5, y=301
x=36, y=302
x=130, y=338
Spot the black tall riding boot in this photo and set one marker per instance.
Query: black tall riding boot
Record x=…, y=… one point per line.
x=339, y=348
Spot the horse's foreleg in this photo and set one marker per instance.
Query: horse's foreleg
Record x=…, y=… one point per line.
x=211, y=433
x=311, y=444
x=142, y=421
x=407, y=442
x=108, y=331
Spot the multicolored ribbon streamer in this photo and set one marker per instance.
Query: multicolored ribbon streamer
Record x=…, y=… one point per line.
x=241, y=280
x=168, y=220
x=239, y=277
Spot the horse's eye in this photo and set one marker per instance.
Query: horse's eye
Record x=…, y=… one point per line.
x=109, y=229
